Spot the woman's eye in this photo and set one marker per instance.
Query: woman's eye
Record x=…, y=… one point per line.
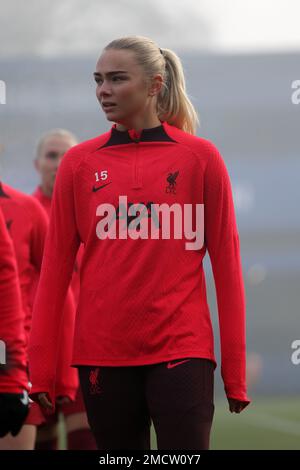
x=99, y=81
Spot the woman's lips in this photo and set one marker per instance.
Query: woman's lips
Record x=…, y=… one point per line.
x=108, y=106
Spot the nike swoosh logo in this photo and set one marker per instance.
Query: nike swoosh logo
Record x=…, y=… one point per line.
x=100, y=187
x=170, y=365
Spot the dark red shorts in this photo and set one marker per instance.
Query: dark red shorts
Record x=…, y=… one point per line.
x=178, y=396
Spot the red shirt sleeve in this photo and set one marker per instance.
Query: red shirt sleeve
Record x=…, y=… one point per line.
x=75, y=283
x=61, y=246
x=66, y=383
x=222, y=241
x=13, y=374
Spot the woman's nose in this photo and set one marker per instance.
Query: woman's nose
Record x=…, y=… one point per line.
x=104, y=89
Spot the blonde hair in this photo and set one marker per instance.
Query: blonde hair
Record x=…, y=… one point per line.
x=54, y=133
x=173, y=104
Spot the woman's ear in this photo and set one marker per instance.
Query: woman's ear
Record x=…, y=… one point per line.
x=36, y=164
x=156, y=85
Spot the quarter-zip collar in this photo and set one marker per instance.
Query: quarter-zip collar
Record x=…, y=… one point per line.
x=131, y=136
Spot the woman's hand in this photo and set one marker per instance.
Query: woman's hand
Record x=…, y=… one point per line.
x=236, y=406
x=63, y=400
x=44, y=401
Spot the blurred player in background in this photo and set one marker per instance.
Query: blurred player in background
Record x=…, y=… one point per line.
x=14, y=381
x=27, y=224
x=50, y=150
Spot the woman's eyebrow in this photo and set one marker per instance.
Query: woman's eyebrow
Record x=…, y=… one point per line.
x=97, y=74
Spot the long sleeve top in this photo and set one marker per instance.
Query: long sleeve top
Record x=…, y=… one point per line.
x=27, y=223
x=143, y=295
x=13, y=371
x=66, y=380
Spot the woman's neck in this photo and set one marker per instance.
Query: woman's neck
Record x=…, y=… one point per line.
x=46, y=189
x=139, y=124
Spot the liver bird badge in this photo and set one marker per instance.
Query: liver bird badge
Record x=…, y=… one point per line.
x=171, y=179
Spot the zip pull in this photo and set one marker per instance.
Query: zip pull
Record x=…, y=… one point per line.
x=134, y=135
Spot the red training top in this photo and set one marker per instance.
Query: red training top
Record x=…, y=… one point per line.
x=142, y=301
x=28, y=224
x=13, y=373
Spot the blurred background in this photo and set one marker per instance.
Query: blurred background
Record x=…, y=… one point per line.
x=241, y=59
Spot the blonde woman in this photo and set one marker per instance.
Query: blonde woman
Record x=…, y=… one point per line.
x=143, y=336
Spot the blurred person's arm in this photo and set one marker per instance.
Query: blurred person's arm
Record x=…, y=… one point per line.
x=13, y=376
x=13, y=373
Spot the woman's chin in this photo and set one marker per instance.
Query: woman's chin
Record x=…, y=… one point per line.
x=111, y=116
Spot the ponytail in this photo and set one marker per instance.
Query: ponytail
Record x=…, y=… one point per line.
x=173, y=104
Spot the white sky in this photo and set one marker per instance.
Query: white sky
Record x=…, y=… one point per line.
x=59, y=27
x=253, y=25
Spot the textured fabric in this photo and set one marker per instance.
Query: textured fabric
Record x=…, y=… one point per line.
x=75, y=282
x=178, y=396
x=27, y=223
x=13, y=374
x=142, y=301
x=66, y=383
